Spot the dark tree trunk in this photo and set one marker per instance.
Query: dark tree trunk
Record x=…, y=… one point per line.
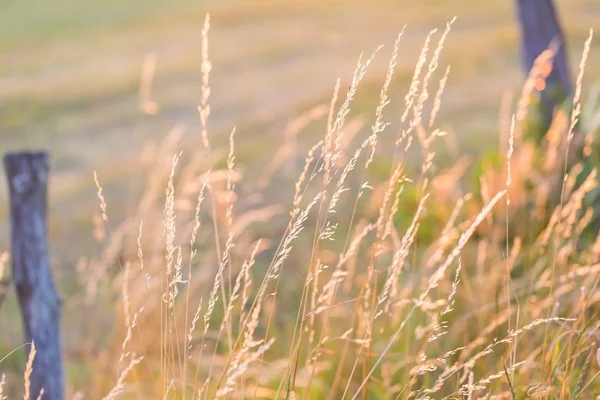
x=539, y=27
x=27, y=175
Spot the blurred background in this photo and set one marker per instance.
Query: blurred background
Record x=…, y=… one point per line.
x=70, y=74
x=106, y=85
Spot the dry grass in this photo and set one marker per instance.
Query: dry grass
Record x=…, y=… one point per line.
x=416, y=286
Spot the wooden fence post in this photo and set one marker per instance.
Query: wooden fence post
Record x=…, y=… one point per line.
x=27, y=176
x=540, y=26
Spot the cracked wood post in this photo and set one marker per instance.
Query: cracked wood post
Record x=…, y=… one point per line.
x=27, y=176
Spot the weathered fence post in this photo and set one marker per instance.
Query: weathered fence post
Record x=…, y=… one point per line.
x=539, y=27
x=27, y=176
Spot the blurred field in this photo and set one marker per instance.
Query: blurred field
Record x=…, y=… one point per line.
x=70, y=76
x=70, y=71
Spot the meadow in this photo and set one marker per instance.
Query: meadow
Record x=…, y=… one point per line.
x=267, y=204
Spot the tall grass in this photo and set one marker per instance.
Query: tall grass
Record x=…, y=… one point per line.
x=211, y=291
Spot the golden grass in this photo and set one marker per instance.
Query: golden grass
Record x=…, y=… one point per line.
x=346, y=298
x=28, y=371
